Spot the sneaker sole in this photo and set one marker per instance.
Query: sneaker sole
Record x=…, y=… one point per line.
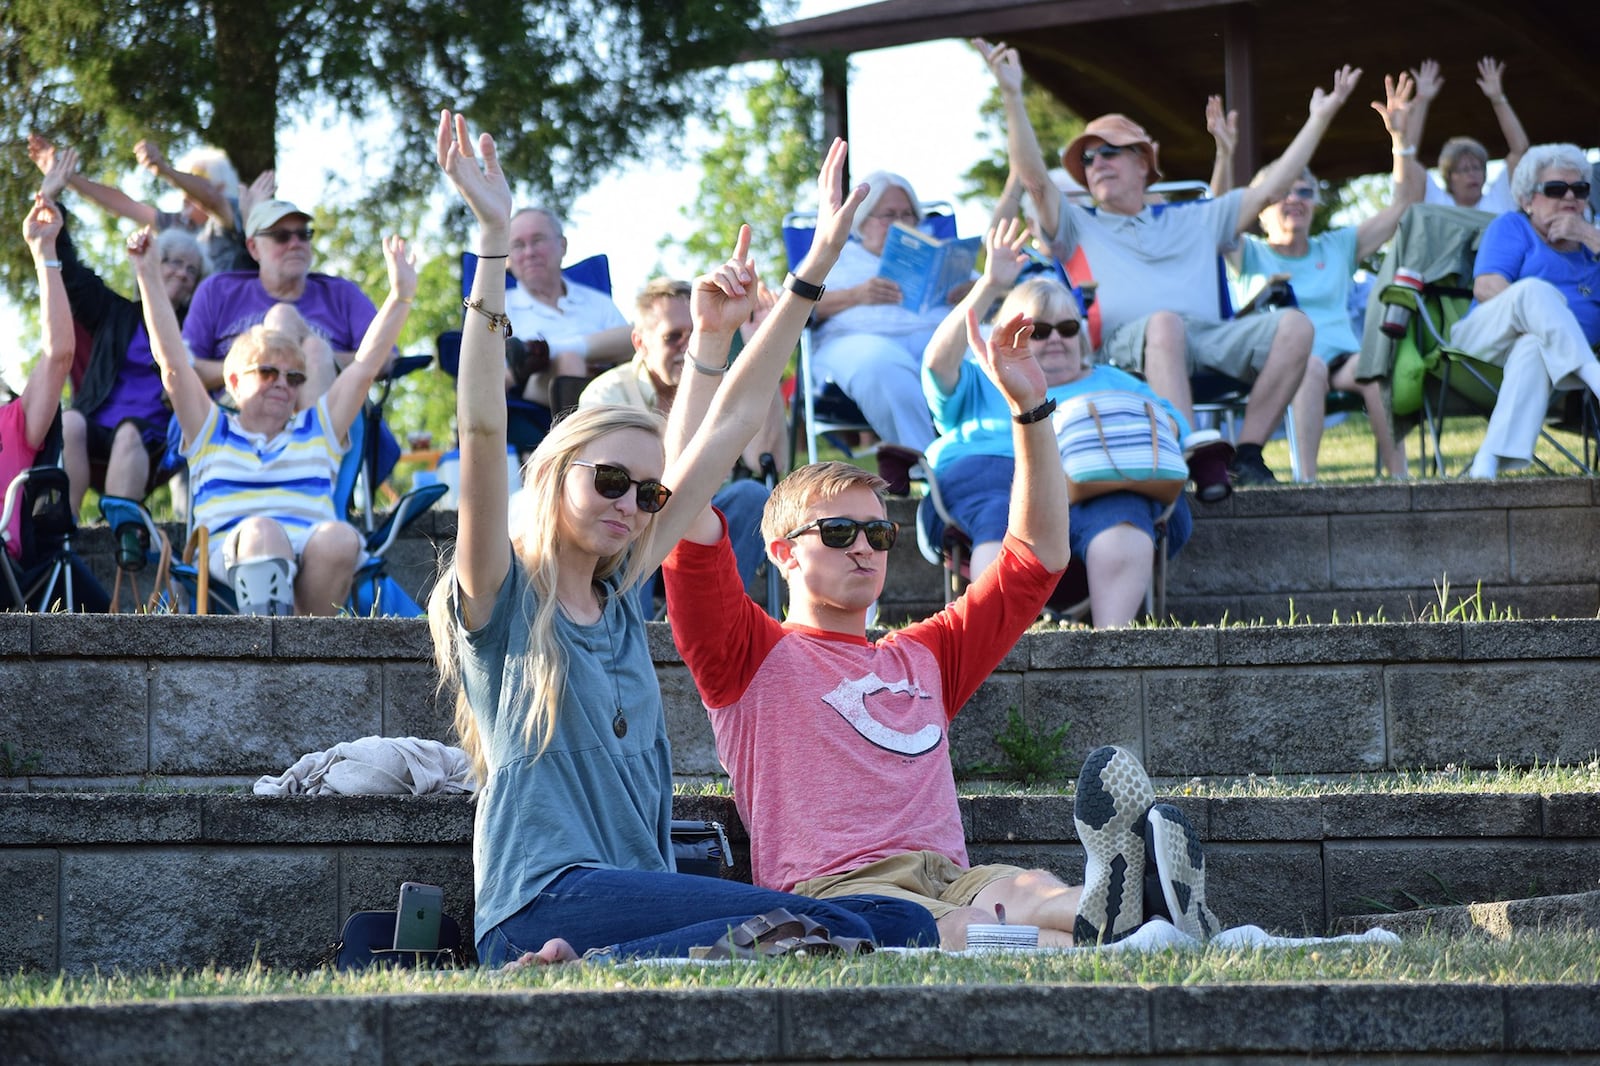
x=1180, y=862
x=1113, y=795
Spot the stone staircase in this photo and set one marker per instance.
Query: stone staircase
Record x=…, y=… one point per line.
x=128, y=839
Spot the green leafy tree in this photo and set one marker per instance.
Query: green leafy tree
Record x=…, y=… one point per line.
x=762, y=166
x=570, y=88
x=1053, y=122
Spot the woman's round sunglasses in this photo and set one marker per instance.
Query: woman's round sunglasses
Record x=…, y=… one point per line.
x=612, y=482
x=842, y=532
x=1069, y=328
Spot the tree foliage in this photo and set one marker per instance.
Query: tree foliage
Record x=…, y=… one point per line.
x=1053, y=123
x=762, y=166
x=570, y=87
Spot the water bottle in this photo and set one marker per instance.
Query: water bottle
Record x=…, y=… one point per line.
x=1396, y=316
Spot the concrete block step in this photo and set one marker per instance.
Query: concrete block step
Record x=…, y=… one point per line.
x=1267, y=1025
x=143, y=880
x=116, y=702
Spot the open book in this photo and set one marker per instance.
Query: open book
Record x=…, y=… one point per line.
x=926, y=268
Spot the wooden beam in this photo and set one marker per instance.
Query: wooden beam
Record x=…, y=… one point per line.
x=1239, y=88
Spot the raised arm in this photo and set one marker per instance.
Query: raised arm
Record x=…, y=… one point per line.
x=1408, y=173
x=41, y=396
x=1005, y=243
x=483, y=548
x=1490, y=80
x=349, y=390
x=710, y=425
x=190, y=401
x=1426, y=78
x=43, y=153
x=1038, y=514
x=196, y=188
x=1022, y=144
x=1224, y=129
x=1283, y=171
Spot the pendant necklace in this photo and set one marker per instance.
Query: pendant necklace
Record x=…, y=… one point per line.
x=619, y=722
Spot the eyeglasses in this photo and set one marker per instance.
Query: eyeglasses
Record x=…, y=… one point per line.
x=284, y=236
x=676, y=337
x=612, y=482
x=268, y=374
x=1103, y=151
x=841, y=532
x=908, y=217
x=1302, y=192
x=1557, y=190
x=190, y=270
x=1069, y=328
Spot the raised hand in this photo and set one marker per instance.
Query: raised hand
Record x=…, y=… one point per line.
x=142, y=250
x=1006, y=245
x=1004, y=64
x=1489, y=78
x=1006, y=358
x=62, y=166
x=1428, y=80
x=766, y=300
x=483, y=186
x=835, y=210
x=41, y=151
x=402, y=266
x=1222, y=125
x=43, y=223
x=149, y=155
x=1398, y=94
x=723, y=300
x=1324, y=105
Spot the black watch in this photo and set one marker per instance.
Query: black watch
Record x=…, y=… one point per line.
x=804, y=289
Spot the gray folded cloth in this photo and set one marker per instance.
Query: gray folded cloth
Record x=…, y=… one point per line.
x=374, y=766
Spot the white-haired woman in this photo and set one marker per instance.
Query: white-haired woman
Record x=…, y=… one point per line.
x=868, y=343
x=557, y=701
x=1536, y=301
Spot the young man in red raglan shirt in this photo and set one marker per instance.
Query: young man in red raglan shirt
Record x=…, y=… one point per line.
x=837, y=746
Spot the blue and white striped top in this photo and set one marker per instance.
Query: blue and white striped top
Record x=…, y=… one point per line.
x=236, y=474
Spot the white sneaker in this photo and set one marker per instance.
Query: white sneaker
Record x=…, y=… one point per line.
x=1176, y=875
x=1109, y=810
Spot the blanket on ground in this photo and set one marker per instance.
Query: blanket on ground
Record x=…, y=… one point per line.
x=374, y=766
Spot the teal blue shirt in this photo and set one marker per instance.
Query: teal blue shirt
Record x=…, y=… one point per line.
x=592, y=798
x=1322, y=280
x=974, y=419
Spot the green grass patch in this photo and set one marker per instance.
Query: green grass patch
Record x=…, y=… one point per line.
x=1536, y=958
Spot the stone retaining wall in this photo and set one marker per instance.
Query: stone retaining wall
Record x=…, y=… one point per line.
x=141, y=881
x=98, y=702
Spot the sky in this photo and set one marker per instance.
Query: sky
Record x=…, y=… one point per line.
x=902, y=118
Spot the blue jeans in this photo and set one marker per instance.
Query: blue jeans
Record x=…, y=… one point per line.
x=637, y=912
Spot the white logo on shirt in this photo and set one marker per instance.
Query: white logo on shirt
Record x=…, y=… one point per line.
x=850, y=700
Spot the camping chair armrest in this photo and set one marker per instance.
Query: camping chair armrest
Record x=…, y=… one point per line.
x=197, y=553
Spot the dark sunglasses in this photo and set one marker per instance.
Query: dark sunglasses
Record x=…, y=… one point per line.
x=1301, y=192
x=284, y=236
x=1104, y=151
x=269, y=373
x=612, y=482
x=1557, y=190
x=842, y=532
x=1069, y=328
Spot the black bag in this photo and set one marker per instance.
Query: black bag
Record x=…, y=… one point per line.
x=701, y=848
x=368, y=940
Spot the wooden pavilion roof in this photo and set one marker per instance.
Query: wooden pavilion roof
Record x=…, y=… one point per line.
x=1158, y=60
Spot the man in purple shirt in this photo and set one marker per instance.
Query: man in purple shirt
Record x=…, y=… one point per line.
x=328, y=314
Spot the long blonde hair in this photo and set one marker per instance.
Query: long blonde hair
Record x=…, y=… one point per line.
x=535, y=542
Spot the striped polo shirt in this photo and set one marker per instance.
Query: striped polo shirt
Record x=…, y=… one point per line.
x=290, y=477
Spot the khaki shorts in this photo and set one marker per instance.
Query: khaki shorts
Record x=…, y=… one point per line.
x=919, y=876
x=1237, y=348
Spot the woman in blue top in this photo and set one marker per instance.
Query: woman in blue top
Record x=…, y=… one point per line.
x=973, y=461
x=558, y=705
x=1536, y=301
x=1321, y=269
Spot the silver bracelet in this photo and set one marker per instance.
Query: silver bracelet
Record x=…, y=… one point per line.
x=712, y=371
x=50, y=264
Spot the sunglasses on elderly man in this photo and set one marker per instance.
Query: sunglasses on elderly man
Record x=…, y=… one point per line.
x=612, y=482
x=1103, y=151
x=1069, y=328
x=1557, y=190
x=269, y=373
x=842, y=532
x=284, y=236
